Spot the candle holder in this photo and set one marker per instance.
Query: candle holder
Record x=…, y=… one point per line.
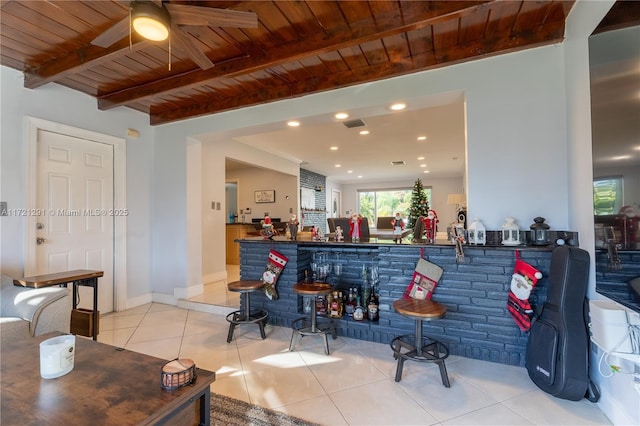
x=510, y=232
x=539, y=232
x=477, y=233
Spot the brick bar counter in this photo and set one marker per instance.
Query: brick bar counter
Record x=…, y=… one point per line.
x=477, y=323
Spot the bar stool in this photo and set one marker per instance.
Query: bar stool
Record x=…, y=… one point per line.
x=246, y=316
x=309, y=326
x=420, y=348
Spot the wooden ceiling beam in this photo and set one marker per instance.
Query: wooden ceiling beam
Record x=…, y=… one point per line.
x=470, y=51
x=359, y=32
x=78, y=61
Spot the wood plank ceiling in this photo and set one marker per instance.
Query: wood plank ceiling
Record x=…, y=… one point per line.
x=298, y=48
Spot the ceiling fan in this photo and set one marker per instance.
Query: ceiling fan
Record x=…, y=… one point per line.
x=158, y=20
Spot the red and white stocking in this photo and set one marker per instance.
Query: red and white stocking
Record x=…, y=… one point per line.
x=275, y=265
x=524, y=278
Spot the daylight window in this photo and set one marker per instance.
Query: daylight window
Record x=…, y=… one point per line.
x=607, y=195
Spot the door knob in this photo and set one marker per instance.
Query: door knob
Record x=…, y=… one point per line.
x=40, y=240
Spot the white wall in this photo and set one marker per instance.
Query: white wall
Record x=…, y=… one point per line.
x=61, y=105
x=528, y=150
x=517, y=151
x=214, y=152
x=255, y=179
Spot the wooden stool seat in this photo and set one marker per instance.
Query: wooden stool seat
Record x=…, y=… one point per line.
x=416, y=346
x=245, y=286
x=246, y=316
x=419, y=309
x=309, y=326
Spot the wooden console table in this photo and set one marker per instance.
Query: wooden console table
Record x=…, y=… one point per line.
x=77, y=277
x=107, y=386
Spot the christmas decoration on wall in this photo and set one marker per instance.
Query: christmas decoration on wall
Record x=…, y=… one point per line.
x=524, y=278
x=275, y=265
x=419, y=204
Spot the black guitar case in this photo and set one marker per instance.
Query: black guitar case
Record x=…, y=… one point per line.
x=557, y=357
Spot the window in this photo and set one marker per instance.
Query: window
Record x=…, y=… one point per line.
x=607, y=195
x=376, y=203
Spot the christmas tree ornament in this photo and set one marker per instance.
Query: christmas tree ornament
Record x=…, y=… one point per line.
x=419, y=205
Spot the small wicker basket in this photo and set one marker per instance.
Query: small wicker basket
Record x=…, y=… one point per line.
x=177, y=373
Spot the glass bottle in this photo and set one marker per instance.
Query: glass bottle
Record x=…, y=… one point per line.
x=334, y=307
x=351, y=303
x=372, y=306
x=358, y=312
x=321, y=305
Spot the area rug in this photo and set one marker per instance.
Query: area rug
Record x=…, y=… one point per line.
x=228, y=411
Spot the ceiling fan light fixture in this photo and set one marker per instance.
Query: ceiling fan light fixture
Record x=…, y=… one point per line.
x=150, y=21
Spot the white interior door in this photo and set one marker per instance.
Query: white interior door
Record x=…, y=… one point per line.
x=75, y=191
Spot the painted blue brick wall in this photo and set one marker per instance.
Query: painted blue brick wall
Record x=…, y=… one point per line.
x=477, y=323
x=317, y=218
x=613, y=283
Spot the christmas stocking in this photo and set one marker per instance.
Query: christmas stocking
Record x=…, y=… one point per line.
x=424, y=281
x=275, y=265
x=523, y=280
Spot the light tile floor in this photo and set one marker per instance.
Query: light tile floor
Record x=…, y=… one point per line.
x=354, y=385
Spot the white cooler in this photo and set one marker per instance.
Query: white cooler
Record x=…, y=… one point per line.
x=609, y=326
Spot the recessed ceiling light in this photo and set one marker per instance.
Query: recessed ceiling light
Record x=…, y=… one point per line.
x=341, y=115
x=399, y=106
x=423, y=165
x=334, y=148
x=422, y=138
x=338, y=165
x=349, y=171
x=293, y=123
x=360, y=177
x=420, y=158
x=364, y=132
x=426, y=171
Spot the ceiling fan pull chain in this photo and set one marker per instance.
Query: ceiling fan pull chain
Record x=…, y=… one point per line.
x=130, y=28
x=169, y=53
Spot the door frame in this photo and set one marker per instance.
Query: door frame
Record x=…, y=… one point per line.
x=32, y=126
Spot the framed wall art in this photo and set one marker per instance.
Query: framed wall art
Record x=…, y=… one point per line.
x=268, y=196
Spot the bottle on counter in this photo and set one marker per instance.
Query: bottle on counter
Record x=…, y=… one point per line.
x=358, y=312
x=321, y=305
x=350, y=305
x=372, y=306
x=335, y=309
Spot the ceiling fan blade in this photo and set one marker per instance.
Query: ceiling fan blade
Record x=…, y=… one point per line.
x=182, y=14
x=117, y=32
x=184, y=43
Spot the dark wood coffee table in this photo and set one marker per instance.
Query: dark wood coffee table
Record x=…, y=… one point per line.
x=108, y=386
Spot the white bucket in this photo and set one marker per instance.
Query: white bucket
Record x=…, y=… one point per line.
x=56, y=356
x=609, y=326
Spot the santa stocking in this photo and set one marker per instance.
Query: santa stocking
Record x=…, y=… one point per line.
x=275, y=265
x=523, y=280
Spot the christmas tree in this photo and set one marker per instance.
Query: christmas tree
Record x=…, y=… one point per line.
x=419, y=203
